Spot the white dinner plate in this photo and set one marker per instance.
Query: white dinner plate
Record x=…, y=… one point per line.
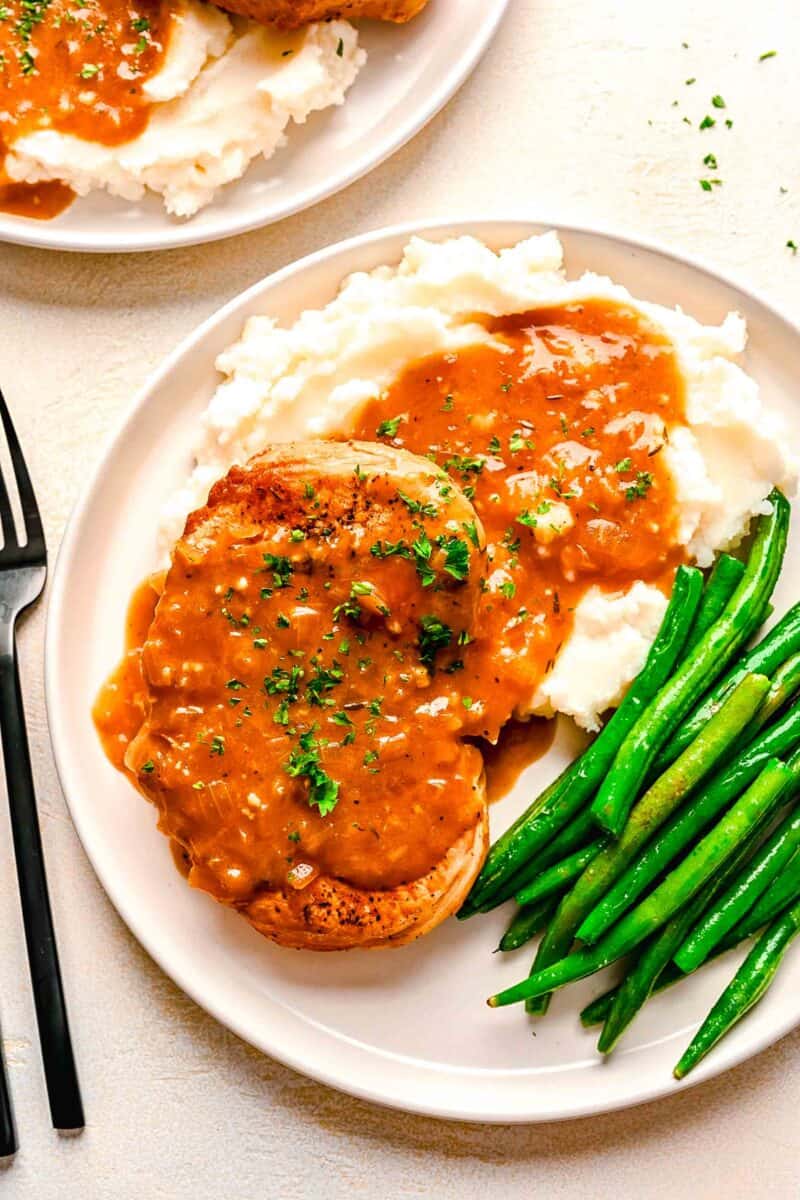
x=411, y=72
x=407, y=1027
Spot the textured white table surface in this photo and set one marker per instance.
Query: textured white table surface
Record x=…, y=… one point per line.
x=570, y=117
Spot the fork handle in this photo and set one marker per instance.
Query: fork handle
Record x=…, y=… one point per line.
x=63, y=1091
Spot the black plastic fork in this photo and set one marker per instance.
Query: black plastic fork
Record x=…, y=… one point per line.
x=23, y=571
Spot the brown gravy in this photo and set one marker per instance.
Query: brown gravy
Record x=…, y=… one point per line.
x=520, y=744
x=526, y=429
x=76, y=66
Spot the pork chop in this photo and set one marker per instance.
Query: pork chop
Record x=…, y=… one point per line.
x=304, y=726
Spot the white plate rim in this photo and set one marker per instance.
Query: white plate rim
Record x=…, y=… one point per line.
x=727, y=1055
x=44, y=235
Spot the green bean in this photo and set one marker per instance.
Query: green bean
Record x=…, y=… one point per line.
x=555, y=878
x=745, y=989
x=741, y=895
x=695, y=816
x=782, y=891
x=657, y=952
x=596, y=1011
x=580, y=831
x=696, y=673
x=567, y=795
x=782, y=642
x=785, y=890
x=679, y=887
x=720, y=586
x=526, y=923
x=655, y=807
x=784, y=687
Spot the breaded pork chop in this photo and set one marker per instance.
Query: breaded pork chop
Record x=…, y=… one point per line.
x=304, y=727
x=291, y=14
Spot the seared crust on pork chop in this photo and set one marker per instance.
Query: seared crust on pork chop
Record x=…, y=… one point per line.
x=291, y=14
x=333, y=915
x=242, y=743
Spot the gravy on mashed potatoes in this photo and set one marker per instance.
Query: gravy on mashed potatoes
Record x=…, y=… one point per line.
x=174, y=96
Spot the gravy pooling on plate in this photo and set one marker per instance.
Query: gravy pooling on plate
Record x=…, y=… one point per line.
x=78, y=67
x=556, y=440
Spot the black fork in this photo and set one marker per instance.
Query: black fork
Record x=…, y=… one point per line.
x=23, y=570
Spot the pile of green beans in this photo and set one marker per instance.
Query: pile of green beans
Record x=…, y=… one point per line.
x=676, y=835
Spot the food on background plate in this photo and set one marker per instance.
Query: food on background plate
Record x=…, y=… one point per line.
x=289, y=14
x=173, y=96
x=600, y=444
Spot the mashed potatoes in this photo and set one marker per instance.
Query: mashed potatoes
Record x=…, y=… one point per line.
x=312, y=379
x=225, y=93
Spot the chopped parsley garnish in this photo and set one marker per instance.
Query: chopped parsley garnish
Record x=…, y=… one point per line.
x=294, y=836
x=281, y=714
x=89, y=70
x=791, y=245
x=388, y=428
x=283, y=622
x=623, y=465
x=260, y=643
x=456, y=560
x=284, y=683
x=148, y=767
x=341, y=718
x=281, y=568
x=707, y=123
x=217, y=745
x=708, y=185
x=640, y=487
x=767, y=54
x=464, y=464
x=340, y=48
x=324, y=681
x=434, y=636
x=448, y=404
x=710, y=161
x=468, y=702
x=718, y=102
x=235, y=685
x=140, y=24
x=422, y=550
x=323, y=792
x=471, y=530
x=508, y=588
x=297, y=535
x=494, y=446
x=415, y=506
x=516, y=443
x=370, y=757
x=386, y=549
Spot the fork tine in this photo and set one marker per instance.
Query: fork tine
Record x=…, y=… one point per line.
x=7, y=517
x=30, y=509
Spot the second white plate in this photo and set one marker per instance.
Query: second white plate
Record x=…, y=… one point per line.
x=411, y=72
x=406, y=1027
